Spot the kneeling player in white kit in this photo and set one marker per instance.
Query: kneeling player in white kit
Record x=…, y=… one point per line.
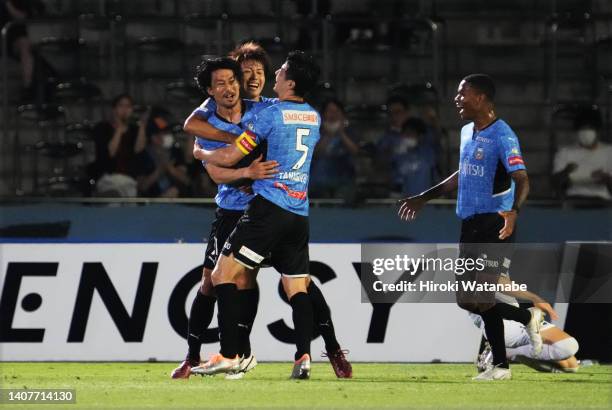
x=557, y=353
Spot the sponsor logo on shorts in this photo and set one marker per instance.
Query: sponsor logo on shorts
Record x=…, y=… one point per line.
x=506, y=263
x=254, y=256
x=300, y=117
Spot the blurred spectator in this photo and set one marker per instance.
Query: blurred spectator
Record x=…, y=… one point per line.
x=162, y=168
x=413, y=161
x=584, y=170
x=398, y=111
x=118, y=143
x=333, y=168
x=19, y=46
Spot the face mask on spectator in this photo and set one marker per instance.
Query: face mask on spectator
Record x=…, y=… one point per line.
x=587, y=137
x=332, y=126
x=167, y=140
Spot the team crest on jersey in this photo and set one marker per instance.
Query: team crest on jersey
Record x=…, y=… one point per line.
x=479, y=154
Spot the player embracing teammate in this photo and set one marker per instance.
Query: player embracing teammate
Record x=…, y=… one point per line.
x=285, y=238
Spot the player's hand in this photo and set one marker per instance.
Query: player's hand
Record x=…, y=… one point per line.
x=509, y=222
x=196, y=150
x=409, y=207
x=261, y=169
x=546, y=307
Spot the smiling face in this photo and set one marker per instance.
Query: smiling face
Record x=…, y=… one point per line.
x=468, y=101
x=224, y=88
x=253, y=78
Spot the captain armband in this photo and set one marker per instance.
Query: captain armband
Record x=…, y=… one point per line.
x=246, y=142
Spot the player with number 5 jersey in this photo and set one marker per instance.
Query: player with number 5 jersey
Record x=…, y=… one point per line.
x=276, y=220
x=292, y=131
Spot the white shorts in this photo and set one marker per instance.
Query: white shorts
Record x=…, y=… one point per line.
x=516, y=335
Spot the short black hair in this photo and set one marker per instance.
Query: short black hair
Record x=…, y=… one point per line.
x=415, y=124
x=251, y=51
x=483, y=84
x=116, y=99
x=207, y=67
x=304, y=71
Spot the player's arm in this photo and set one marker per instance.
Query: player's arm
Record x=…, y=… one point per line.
x=258, y=169
x=198, y=125
x=228, y=156
x=411, y=205
x=530, y=296
x=512, y=159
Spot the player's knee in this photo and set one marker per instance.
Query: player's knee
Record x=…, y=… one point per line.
x=245, y=281
x=566, y=348
x=206, y=286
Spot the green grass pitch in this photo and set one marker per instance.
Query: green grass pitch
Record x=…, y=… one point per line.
x=434, y=386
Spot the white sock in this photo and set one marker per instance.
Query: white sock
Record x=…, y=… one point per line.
x=558, y=351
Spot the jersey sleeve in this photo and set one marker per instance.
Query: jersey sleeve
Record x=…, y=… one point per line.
x=257, y=130
x=510, y=152
x=206, y=109
x=208, y=145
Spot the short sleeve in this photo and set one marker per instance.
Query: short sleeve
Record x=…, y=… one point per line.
x=261, y=125
x=209, y=145
x=510, y=152
x=206, y=109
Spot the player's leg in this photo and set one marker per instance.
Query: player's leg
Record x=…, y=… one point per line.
x=296, y=289
x=325, y=326
x=200, y=316
x=557, y=352
x=248, y=296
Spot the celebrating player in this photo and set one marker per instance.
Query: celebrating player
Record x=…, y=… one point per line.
x=492, y=185
x=220, y=78
x=276, y=220
x=254, y=64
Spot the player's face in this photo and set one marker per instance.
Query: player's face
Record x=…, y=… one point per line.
x=282, y=85
x=467, y=101
x=253, y=78
x=124, y=109
x=224, y=88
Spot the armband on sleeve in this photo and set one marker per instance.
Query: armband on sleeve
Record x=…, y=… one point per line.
x=246, y=142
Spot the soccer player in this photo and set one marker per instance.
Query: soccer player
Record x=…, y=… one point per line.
x=492, y=186
x=276, y=220
x=557, y=354
x=255, y=64
x=220, y=78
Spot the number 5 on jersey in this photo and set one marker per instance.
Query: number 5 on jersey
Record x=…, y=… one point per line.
x=299, y=146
